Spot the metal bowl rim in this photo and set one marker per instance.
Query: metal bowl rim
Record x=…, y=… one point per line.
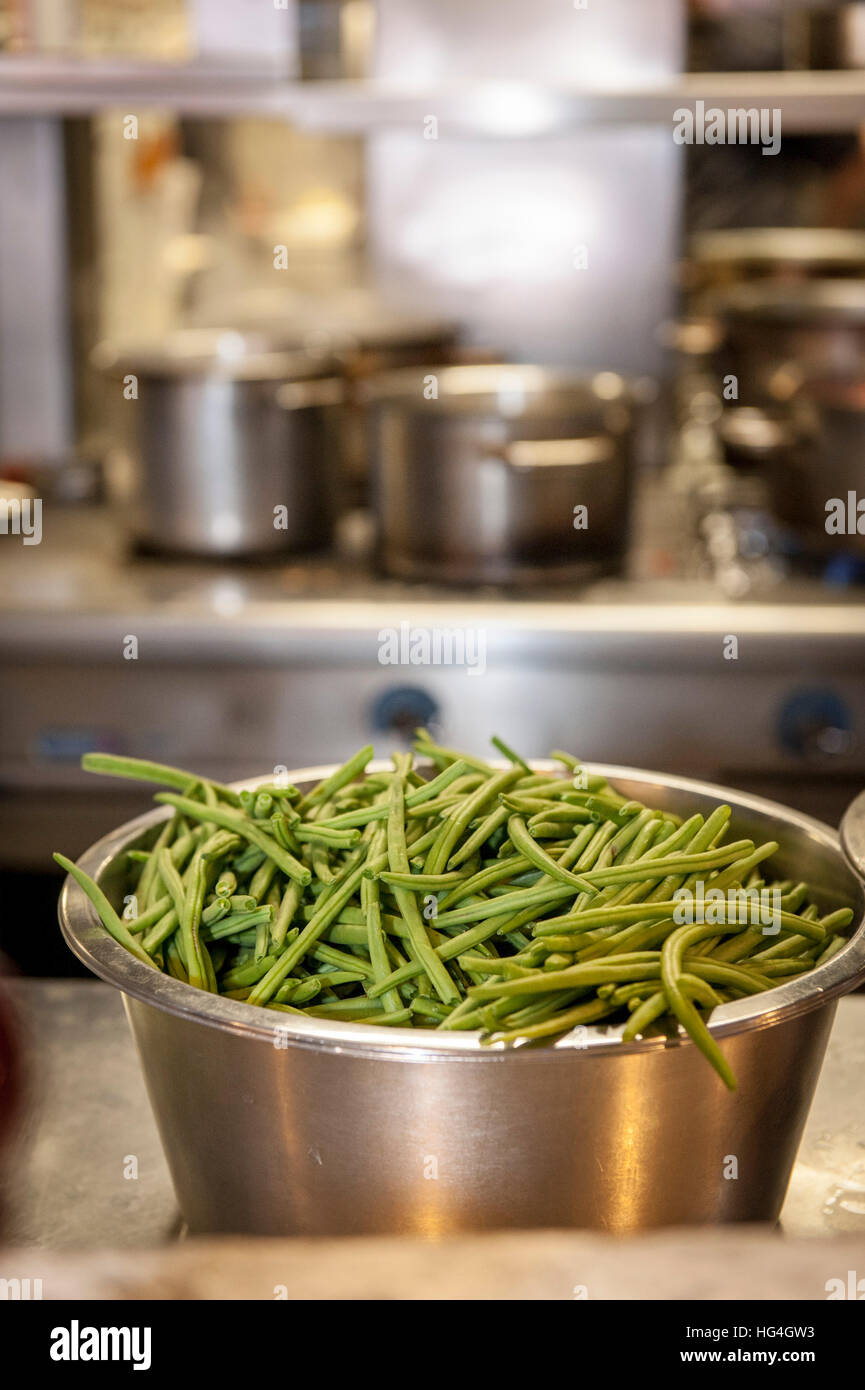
x=107, y=958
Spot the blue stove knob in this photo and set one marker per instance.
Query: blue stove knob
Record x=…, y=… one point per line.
x=402, y=709
x=816, y=723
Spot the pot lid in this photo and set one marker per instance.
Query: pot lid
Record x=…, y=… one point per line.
x=782, y=246
x=503, y=388
x=227, y=353
x=349, y=320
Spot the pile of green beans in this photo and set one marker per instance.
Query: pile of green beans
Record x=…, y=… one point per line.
x=513, y=902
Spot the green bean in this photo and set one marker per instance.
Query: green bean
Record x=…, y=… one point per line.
x=237, y=922
x=395, y=1020
x=320, y=834
x=215, y=911
x=146, y=883
x=420, y=883
x=261, y=881
x=525, y=845
x=233, y=820
x=107, y=915
x=455, y=826
x=140, y=770
x=510, y=754
x=285, y=914
x=195, y=953
x=425, y=745
x=347, y=773
x=397, y=854
x=327, y=912
x=590, y=1012
x=226, y=884
x=223, y=906
x=249, y=860
x=154, y=914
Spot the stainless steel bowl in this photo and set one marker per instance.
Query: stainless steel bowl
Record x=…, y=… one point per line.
x=277, y=1126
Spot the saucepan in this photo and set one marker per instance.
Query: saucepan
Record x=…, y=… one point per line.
x=500, y=472
x=275, y=1125
x=226, y=443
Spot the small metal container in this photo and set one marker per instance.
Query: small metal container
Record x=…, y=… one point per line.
x=229, y=444
x=479, y=473
x=280, y=1126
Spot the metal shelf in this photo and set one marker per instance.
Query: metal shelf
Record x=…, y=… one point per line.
x=58, y=86
x=809, y=101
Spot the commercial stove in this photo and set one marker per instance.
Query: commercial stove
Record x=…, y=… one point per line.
x=675, y=665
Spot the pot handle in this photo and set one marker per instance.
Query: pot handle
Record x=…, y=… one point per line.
x=525, y=454
x=852, y=833
x=318, y=391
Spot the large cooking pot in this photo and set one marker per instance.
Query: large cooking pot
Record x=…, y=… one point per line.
x=274, y=1125
x=821, y=461
x=479, y=472
x=229, y=444
x=817, y=325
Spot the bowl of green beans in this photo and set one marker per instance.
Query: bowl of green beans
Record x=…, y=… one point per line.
x=444, y=992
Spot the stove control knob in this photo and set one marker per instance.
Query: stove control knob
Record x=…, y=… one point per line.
x=816, y=723
x=402, y=710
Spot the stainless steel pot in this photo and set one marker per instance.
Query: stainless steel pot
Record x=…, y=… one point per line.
x=229, y=445
x=821, y=461
x=478, y=472
x=818, y=325
x=277, y=1126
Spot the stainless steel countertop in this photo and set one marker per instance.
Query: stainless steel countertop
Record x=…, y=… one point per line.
x=81, y=587
x=63, y=1183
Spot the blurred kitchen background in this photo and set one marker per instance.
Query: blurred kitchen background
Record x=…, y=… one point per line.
x=323, y=320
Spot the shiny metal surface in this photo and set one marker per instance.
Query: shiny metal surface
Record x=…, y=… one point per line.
x=272, y=1125
x=222, y=434
x=852, y=835
x=789, y=253
x=821, y=460
x=62, y=1187
x=817, y=324
x=477, y=478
